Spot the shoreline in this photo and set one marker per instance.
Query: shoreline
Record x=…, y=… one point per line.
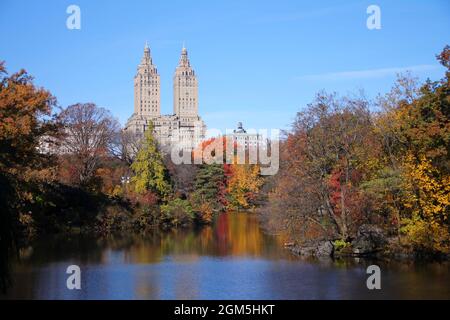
x=382, y=255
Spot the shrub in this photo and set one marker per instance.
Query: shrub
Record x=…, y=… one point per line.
x=340, y=244
x=146, y=216
x=204, y=213
x=177, y=212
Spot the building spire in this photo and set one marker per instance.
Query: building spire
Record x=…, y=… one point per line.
x=184, y=60
x=146, y=59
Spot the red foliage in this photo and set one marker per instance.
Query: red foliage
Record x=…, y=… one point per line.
x=345, y=195
x=147, y=199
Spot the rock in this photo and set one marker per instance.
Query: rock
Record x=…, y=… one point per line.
x=325, y=249
x=369, y=239
x=322, y=248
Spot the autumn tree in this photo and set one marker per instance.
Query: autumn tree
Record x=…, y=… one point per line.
x=425, y=133
x=343, y=166
x=127, y=146
x=90, y=133
x=411, y=182
x=182, y=176
x=427, y=205
x=243, y=185
x=323, y=161
x=26, y=121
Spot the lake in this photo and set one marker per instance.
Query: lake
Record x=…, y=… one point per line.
x=232, y=259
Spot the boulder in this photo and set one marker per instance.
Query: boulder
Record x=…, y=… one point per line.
x=369, y=239
x=322, y=248
x=325, y=249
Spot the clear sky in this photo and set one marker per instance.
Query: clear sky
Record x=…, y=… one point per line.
x=258, y=62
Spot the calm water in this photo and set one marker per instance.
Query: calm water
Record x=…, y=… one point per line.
x=233, y=259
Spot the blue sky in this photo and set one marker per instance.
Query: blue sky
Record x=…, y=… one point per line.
x=258, y=62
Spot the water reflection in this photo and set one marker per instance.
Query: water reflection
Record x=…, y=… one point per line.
x=233, y=259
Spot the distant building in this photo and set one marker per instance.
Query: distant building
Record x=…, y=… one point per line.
x=48, y=145
x=184, y=128
x=66, y=143
x=243, y=138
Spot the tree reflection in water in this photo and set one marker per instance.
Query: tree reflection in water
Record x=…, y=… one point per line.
x=231, y=259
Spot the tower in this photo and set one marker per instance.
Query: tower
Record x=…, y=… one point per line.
x=185, y=88
x=184, y=128
x=147, y=100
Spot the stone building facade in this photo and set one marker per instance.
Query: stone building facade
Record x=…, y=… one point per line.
x=246, y=139
x=184, y=128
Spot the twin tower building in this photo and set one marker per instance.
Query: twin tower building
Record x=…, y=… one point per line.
x=184, y=128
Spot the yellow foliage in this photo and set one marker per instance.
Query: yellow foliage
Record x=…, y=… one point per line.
x=427, y=196
x=243, y=185
x=116, y=191
x=206, y=212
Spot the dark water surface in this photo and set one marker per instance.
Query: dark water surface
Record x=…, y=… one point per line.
x=233, y=259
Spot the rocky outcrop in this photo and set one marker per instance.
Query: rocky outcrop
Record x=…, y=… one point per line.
x=323, y=248
x=369, y=240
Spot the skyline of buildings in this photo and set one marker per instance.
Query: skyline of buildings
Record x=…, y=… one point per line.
x=183, y=128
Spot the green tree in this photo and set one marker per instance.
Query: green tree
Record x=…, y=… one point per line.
x=150, y=173
x=210, y=186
